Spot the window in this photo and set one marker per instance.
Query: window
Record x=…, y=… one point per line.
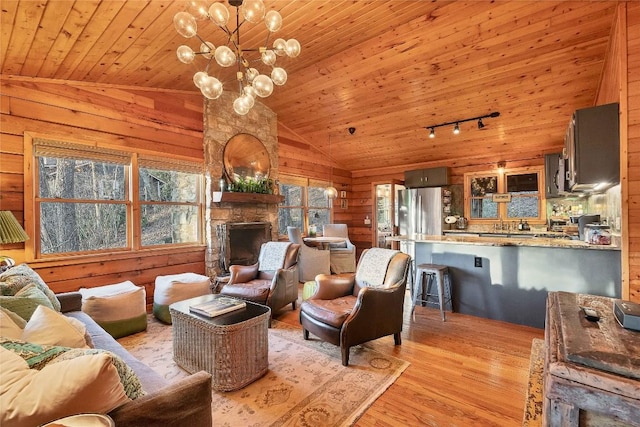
x=83, y=202
x=524, y=186
x=304, y=204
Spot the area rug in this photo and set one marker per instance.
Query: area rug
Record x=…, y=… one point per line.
x=306, y=384
x=533, y=403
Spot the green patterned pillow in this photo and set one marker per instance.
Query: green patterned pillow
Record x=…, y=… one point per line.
x=18, y=277
x=38, y=356
x=25, y=301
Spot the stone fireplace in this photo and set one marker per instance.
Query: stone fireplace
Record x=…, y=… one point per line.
x=239, y=242
x=220, y=124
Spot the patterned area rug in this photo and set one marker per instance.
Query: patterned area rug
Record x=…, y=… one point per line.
x=533, y=402
x=306, y=384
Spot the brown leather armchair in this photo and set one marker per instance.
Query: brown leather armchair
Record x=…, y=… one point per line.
x=271, y=281
x=350, y=309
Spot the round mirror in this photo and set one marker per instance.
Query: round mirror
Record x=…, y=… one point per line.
x=246, y=157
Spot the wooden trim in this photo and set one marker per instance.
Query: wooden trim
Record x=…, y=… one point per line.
x=231, y=197
x=623, y=39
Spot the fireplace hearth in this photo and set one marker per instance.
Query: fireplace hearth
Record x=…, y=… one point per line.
x=239, y=242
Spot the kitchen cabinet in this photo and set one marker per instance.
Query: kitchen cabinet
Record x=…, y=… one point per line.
x=592, y=148
x=551, y=175
x=432, y=177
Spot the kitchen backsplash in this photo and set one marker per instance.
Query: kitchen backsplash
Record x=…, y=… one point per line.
x=607, y=205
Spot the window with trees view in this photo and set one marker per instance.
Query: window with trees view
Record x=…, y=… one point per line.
x=524, y=185
x=84, y=202
x=304, y=204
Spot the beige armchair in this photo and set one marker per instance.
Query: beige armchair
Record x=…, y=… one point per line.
x=343, y=255
x=348, y=310
x=271, y=281
x=311, y=261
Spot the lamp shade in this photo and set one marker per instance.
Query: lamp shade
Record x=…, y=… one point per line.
x=10, y=229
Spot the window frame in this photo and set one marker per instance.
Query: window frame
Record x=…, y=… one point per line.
x=305, y=183
x=502, y=189
x=131, y=199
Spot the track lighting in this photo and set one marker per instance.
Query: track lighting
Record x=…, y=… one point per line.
x=456, y=123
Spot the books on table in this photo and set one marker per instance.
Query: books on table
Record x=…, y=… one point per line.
x=218, y=306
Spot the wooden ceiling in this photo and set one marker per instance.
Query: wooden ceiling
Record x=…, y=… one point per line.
x=387, y=68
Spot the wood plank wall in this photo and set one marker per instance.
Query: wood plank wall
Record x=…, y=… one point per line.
x=630, y=57
x=145, y=120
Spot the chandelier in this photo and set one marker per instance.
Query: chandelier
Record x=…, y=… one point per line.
x=251, y=82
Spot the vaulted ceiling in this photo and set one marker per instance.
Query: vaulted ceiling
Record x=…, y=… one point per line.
x=388, y=68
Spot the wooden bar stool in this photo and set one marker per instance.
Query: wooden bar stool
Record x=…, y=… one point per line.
x=426, y=275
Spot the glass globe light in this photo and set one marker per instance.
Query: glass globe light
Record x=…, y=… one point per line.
x=198, y=9
x=207, y=49
x=269, y=57
x=185, y=24
x=253, y=10
x=273, y=21
x=250, y=91
x=279, y=76
x=280, y=47
x=225, y=56
x=252, y=73
x=263, y=86
x=240, y=106
x=219, y=14
x=249, y=100
x=331, y=192
x=293, y=48
x=199, y=78
x=185, y=54
x=211, y=88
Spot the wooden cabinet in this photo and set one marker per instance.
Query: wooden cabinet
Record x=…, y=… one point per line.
x=432, y=177
x=592, y=369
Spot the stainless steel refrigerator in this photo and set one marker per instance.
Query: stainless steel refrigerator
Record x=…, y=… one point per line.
x=420, y=212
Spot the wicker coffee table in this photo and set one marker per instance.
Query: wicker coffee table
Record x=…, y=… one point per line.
x=232, y=347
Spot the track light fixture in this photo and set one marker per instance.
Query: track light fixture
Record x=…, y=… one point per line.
x=456, y=123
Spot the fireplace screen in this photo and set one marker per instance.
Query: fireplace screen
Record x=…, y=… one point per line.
x=240, y=242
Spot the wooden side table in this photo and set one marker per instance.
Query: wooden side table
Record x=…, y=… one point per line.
x=592, y=369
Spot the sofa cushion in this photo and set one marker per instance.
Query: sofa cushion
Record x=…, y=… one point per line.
x=16, y=278
x=29, y=397
x=48, y=327
x=25, y=301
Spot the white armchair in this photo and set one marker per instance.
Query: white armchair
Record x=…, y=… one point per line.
x=343, y=255
x=311, y=261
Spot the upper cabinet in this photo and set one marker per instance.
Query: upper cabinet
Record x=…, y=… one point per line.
x=433, y=177
x=592, y=148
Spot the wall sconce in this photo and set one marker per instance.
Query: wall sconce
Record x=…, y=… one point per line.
x=367, y=220
x=456, y=123
x=501, y=166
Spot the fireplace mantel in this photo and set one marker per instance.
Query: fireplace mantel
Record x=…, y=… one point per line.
x=233, y=197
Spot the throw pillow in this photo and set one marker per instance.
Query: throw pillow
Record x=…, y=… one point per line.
x=16, y=278
x=28, y=397
x=48, y=327
x=8, y=327
x=129, y=380
x=25, y=301
x=16, y=319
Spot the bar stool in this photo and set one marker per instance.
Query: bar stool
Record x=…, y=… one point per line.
x=422, y=291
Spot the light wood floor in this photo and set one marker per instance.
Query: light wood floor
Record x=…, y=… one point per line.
x=467, y=371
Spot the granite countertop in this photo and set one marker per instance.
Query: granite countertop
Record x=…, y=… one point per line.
x=472, y=238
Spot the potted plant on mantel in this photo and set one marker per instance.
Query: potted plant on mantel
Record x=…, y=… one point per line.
x=249, y=190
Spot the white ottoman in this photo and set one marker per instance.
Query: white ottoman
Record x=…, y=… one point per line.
x=120, y=309
x=177, y=287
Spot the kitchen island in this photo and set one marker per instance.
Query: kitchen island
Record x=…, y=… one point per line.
x=516, y=273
